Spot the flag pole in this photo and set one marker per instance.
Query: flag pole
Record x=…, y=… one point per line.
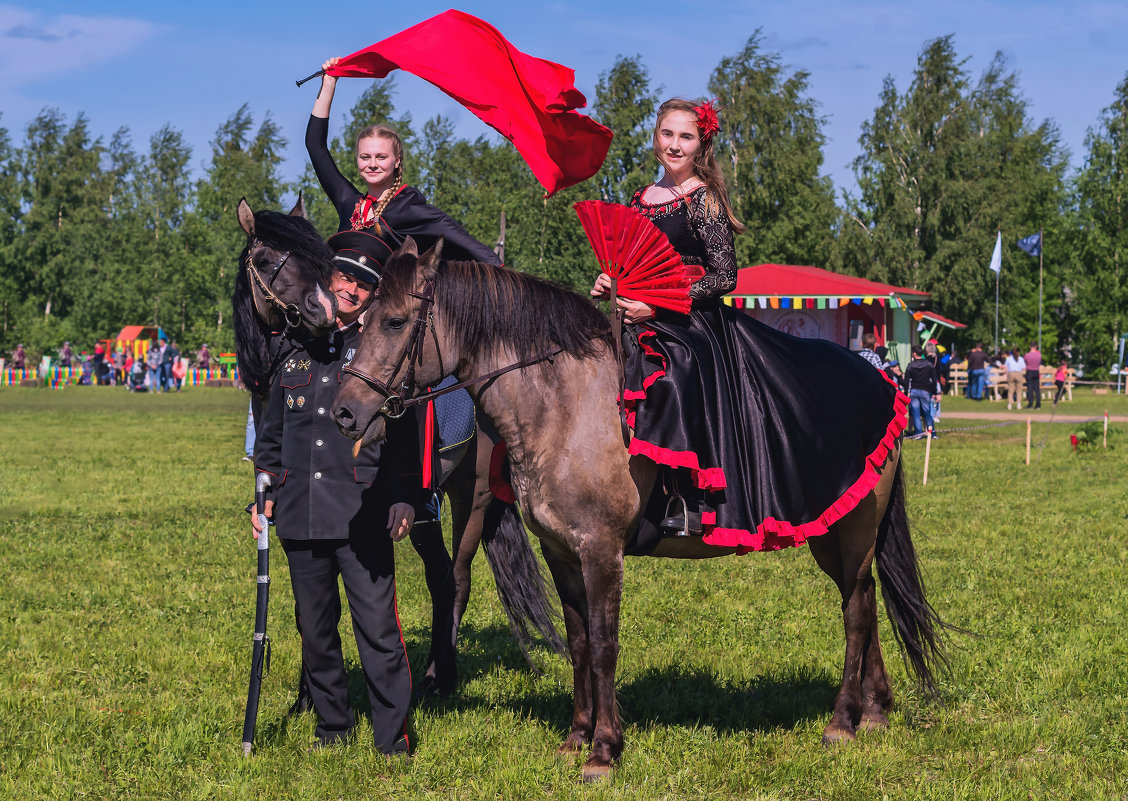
x=1041, y=251
x=998, y=272
x=997, y=312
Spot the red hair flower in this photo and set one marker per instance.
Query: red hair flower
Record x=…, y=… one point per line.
x=707, y=122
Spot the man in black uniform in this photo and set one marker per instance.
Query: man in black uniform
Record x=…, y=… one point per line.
x=337, y=516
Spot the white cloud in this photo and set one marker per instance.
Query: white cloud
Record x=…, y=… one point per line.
x=34, y=45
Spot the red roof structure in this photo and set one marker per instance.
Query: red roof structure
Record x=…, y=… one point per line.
x=135, y=332
x=806, y=281
x=933, y=317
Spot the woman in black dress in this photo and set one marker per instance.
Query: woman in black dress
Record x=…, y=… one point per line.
x=769, y=438
x=400, y=210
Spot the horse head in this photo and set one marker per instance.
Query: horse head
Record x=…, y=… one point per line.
x=401, y=346
x=286, y=264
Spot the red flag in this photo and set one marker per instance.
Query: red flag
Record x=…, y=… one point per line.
x=529, y=101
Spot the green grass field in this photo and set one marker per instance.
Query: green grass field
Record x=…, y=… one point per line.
x=127, y=595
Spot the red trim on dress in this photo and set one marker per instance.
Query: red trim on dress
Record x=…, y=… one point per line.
x=631, y=395
x=771, y=534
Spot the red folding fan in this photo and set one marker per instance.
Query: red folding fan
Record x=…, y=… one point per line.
x=638, y=256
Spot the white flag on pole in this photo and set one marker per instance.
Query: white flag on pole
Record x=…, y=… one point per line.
x=997, y=256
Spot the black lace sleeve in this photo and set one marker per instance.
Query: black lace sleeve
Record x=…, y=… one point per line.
x=711, y=225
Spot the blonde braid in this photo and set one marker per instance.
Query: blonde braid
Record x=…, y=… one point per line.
x=391, y=193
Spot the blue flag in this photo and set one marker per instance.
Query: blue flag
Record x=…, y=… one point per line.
x=1032, y=244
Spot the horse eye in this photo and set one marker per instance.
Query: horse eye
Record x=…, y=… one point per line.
x=395, y=323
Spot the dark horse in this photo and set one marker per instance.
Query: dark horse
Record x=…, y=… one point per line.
x=582, y=494
x=280, y=283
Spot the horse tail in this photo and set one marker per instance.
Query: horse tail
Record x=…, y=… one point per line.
x=521, y=582
x=916, y=625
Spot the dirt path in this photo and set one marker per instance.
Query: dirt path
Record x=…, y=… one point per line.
x=1039, y=416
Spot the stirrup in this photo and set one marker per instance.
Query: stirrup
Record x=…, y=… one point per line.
x=683, y=525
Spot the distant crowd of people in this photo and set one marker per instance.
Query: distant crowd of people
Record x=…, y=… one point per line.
x=927, y=375
x=162, y=369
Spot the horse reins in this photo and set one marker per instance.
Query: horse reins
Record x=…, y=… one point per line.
x=396, y=405
x=290, y=312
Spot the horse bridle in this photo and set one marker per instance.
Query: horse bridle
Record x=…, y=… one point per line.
x=290, y=312
x=395, y=405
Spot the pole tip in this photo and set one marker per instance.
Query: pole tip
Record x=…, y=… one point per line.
x=246, y=749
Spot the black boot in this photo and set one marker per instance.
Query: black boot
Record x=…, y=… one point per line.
x=683, y=522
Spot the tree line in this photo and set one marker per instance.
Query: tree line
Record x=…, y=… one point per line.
x=95, y=235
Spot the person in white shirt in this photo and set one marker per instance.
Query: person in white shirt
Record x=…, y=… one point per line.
x=1016, y=373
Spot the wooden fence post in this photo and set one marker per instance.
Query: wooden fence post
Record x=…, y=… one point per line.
x=927, y=452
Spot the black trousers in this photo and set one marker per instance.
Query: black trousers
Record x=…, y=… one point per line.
x=367, y=566
x=1033, y=389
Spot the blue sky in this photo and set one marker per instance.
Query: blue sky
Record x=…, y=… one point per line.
x=144, y=64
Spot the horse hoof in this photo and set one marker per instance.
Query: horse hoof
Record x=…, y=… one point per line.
x=594, y=772
x=833, y=735
x=873, y=721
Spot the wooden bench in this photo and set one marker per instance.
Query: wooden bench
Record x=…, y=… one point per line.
x=1049, y=388
x=996, y=383
x=957, y=376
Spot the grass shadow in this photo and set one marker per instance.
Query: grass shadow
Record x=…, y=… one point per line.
x=678, y=696
x=670, y=695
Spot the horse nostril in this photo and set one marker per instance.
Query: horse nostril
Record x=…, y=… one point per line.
x=314, y=306
x=342, y=415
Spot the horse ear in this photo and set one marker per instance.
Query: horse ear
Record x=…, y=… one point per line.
x=429, y=261
x=246, y=217
x=299, y=209
x=409, y=247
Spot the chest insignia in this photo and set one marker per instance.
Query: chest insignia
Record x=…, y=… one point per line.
x=349, y=356
x=291, y=365
x=300, y=401
x=290, y=400
x=304, y=364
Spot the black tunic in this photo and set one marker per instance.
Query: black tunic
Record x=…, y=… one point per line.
x=319, y=490
x=407, y=214
x=782, y=436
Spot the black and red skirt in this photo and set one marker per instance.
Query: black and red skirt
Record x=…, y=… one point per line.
x=782, y=436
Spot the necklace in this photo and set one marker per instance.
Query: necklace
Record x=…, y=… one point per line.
x=680, y=189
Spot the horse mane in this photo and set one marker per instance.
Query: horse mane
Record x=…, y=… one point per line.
x=489, y=307
x=296, y=234
x=252, y=337
x=283, y=232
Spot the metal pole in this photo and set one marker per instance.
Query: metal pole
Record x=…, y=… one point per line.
x=997, y=274
x=310, y=77
x=1041, y=252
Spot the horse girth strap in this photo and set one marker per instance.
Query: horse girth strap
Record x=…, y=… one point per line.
x=617, y=315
